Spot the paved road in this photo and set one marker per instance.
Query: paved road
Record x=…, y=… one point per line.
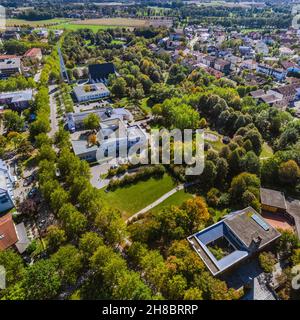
x=157, y=202
x=53, y=113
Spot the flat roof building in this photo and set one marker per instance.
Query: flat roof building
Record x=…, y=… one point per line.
x=75, y=120
x=238, y=236
x=17, y=99
x=9, y=66
x=100, y=72
x=89, y=92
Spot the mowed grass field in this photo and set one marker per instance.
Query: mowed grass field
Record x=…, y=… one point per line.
x=131, y=199
x=73, y=27
x=176, y=199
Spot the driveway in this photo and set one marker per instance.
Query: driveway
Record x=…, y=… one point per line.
x=53, y=112
x=96, y=172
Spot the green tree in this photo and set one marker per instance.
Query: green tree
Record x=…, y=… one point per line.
x=68, y=262
x=267, y=261
x=289, y=172
x=91, y=122
x=72, y=220
x=193, y=294
x=41, y=281
x=55, y=237
x=89, y=243
x=13, y=264
x=12, y=121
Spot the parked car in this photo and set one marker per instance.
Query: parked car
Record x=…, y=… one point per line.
x=32, y=192
x=28, y=181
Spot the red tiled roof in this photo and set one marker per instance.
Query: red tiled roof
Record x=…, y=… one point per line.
x=32, y=52
x=7, y=56
x=8, y=235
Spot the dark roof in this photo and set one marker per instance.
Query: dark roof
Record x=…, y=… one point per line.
x=100, y=72
x=247, y=229
x=293, y=208
x=272, y=198
x=288, y=90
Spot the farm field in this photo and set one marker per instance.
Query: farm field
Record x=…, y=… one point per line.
x=40, y=23
x=117, y=22
x=131, y=199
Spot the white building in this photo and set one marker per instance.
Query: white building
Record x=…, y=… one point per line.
x=6, y=188
x=90, y=92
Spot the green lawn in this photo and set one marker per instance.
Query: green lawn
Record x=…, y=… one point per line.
x=133, y=198
x=118, y=42
x=175, y=200
x=266, y=152
x=75, y=26
x=144, y=106
x=218, y=144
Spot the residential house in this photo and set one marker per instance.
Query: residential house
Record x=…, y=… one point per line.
x=43, y=33
x=33, y=55
x=275, y=202
x=262, y=48
x=11, y=33
x=222, y=66
x=9, y=66
x=209, y=61
x=91, y=92
x=6, y=188
x=11, y=234
x=240, y=235
x=289, y=92
x=285, y=52
x=245, y=50
x=278, y=74
x=249, y=64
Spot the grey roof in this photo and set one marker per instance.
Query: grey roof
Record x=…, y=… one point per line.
x=23, y=241
x=257, y=94
x=293, y=208
x=80, y=91
x=270, y=98
x=6, y=180
x=246, y=228
x=245, y=231
x=17, y=96
x=13, y=63
x=82, y=146
x=272, y=198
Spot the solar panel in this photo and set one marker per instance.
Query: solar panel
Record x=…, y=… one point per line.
x=260, y=221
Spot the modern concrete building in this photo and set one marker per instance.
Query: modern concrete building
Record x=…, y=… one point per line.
x=18, y=100
x=90, y=92
x=6, y=188
x=240, y=235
